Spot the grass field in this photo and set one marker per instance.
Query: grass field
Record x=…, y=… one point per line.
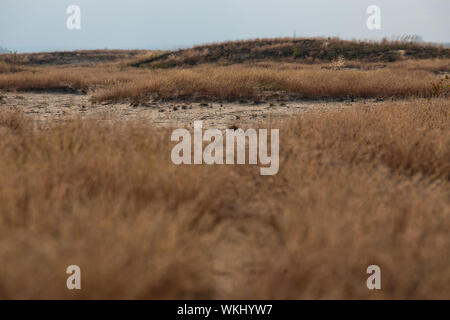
x=342, y=69
x=360, y=183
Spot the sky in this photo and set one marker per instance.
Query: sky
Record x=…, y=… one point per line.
x=40, y=25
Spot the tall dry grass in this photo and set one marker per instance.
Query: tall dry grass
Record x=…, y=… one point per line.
x=264, y=80
x=70, y=79
x=9, y=68
x=356, y=186
x=241, y=82
x=55, y=80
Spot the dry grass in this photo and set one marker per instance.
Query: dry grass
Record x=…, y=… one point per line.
x=78, y=57
x=431, y=65
x=108, y=75
x=356, y=186
x=306, y=50
x=70, y=79
x=255, y=69
x=242, y=82
x=9, y=68
x=55, y=80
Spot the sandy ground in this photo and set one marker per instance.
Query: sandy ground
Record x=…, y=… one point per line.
x=61, y=106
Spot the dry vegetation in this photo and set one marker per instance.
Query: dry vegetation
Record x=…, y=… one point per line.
x=230, y=83
x=254, y=70
x=80, y=57
x=301, y=50
x=240, y=82
x=359, y=185
x=356, y=186
x=9, y=68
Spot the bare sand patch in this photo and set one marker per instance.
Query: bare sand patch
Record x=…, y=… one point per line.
x=62, y=107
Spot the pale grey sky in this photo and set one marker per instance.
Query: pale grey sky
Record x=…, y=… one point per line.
x=40, y=25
